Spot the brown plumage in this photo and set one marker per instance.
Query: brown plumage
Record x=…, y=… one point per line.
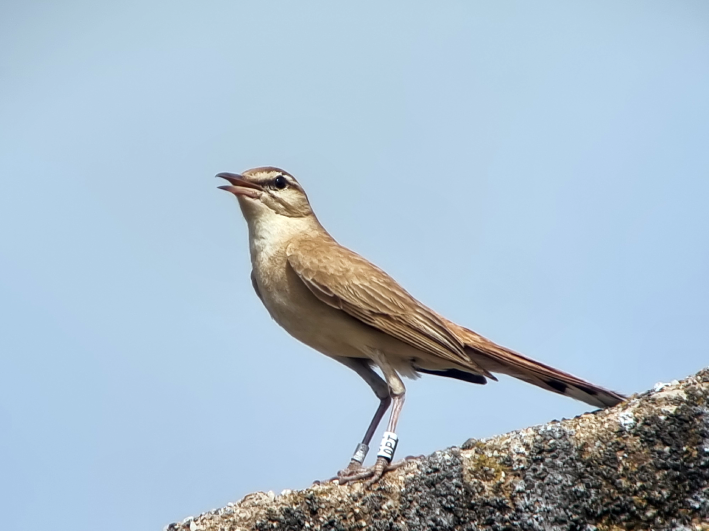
x=340, y=304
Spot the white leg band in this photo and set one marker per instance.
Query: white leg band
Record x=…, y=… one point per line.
x=388, y=445
x=360, y=453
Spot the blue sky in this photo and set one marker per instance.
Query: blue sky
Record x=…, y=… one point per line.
x=538, y=172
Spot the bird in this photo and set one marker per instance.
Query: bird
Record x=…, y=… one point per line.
x=343, y=306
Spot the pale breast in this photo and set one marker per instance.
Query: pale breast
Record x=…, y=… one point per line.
x=328, y=330
x=291, y=304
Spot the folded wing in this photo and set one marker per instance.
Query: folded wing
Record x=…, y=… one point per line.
x=348, y=282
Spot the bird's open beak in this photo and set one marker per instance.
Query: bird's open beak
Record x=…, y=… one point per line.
x=240, y=186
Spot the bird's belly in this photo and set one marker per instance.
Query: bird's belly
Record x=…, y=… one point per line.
x=326, y=329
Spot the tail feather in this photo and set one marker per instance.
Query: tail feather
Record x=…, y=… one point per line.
x=495, y=358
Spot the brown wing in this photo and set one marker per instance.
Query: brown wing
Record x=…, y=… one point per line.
x=348, y=282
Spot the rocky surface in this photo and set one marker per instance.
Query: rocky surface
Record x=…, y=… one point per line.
x=641, y=465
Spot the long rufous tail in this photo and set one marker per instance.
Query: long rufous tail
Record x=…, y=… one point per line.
x=495, y=358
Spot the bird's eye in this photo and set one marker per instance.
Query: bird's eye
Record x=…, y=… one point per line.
x=280, y=182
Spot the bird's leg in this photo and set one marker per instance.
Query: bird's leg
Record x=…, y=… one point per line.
x=389, y=441
x=362, y=366
x=384, y=456
x=363, y=447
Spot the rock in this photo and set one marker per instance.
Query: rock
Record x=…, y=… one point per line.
x=643, y=464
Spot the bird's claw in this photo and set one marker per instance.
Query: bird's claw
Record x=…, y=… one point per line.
x=355, y=471
x=374, y=473
x=353, y=468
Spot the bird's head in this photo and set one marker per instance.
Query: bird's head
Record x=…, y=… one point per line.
x=266, y=192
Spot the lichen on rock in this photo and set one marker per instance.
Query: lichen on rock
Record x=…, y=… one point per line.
x=643, y=464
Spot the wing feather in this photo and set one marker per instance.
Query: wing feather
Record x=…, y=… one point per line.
x=348, y=282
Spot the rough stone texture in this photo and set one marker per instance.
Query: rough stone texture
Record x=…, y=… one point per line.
x=641, y=465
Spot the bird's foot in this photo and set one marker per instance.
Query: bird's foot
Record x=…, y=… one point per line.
x=344, y=475
x=374, y=473
x=355, y=471
x=353, y=468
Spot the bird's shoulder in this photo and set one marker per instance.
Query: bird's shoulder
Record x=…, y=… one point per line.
x=341, y=272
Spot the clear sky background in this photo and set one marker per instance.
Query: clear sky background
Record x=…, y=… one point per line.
x=537, y=171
